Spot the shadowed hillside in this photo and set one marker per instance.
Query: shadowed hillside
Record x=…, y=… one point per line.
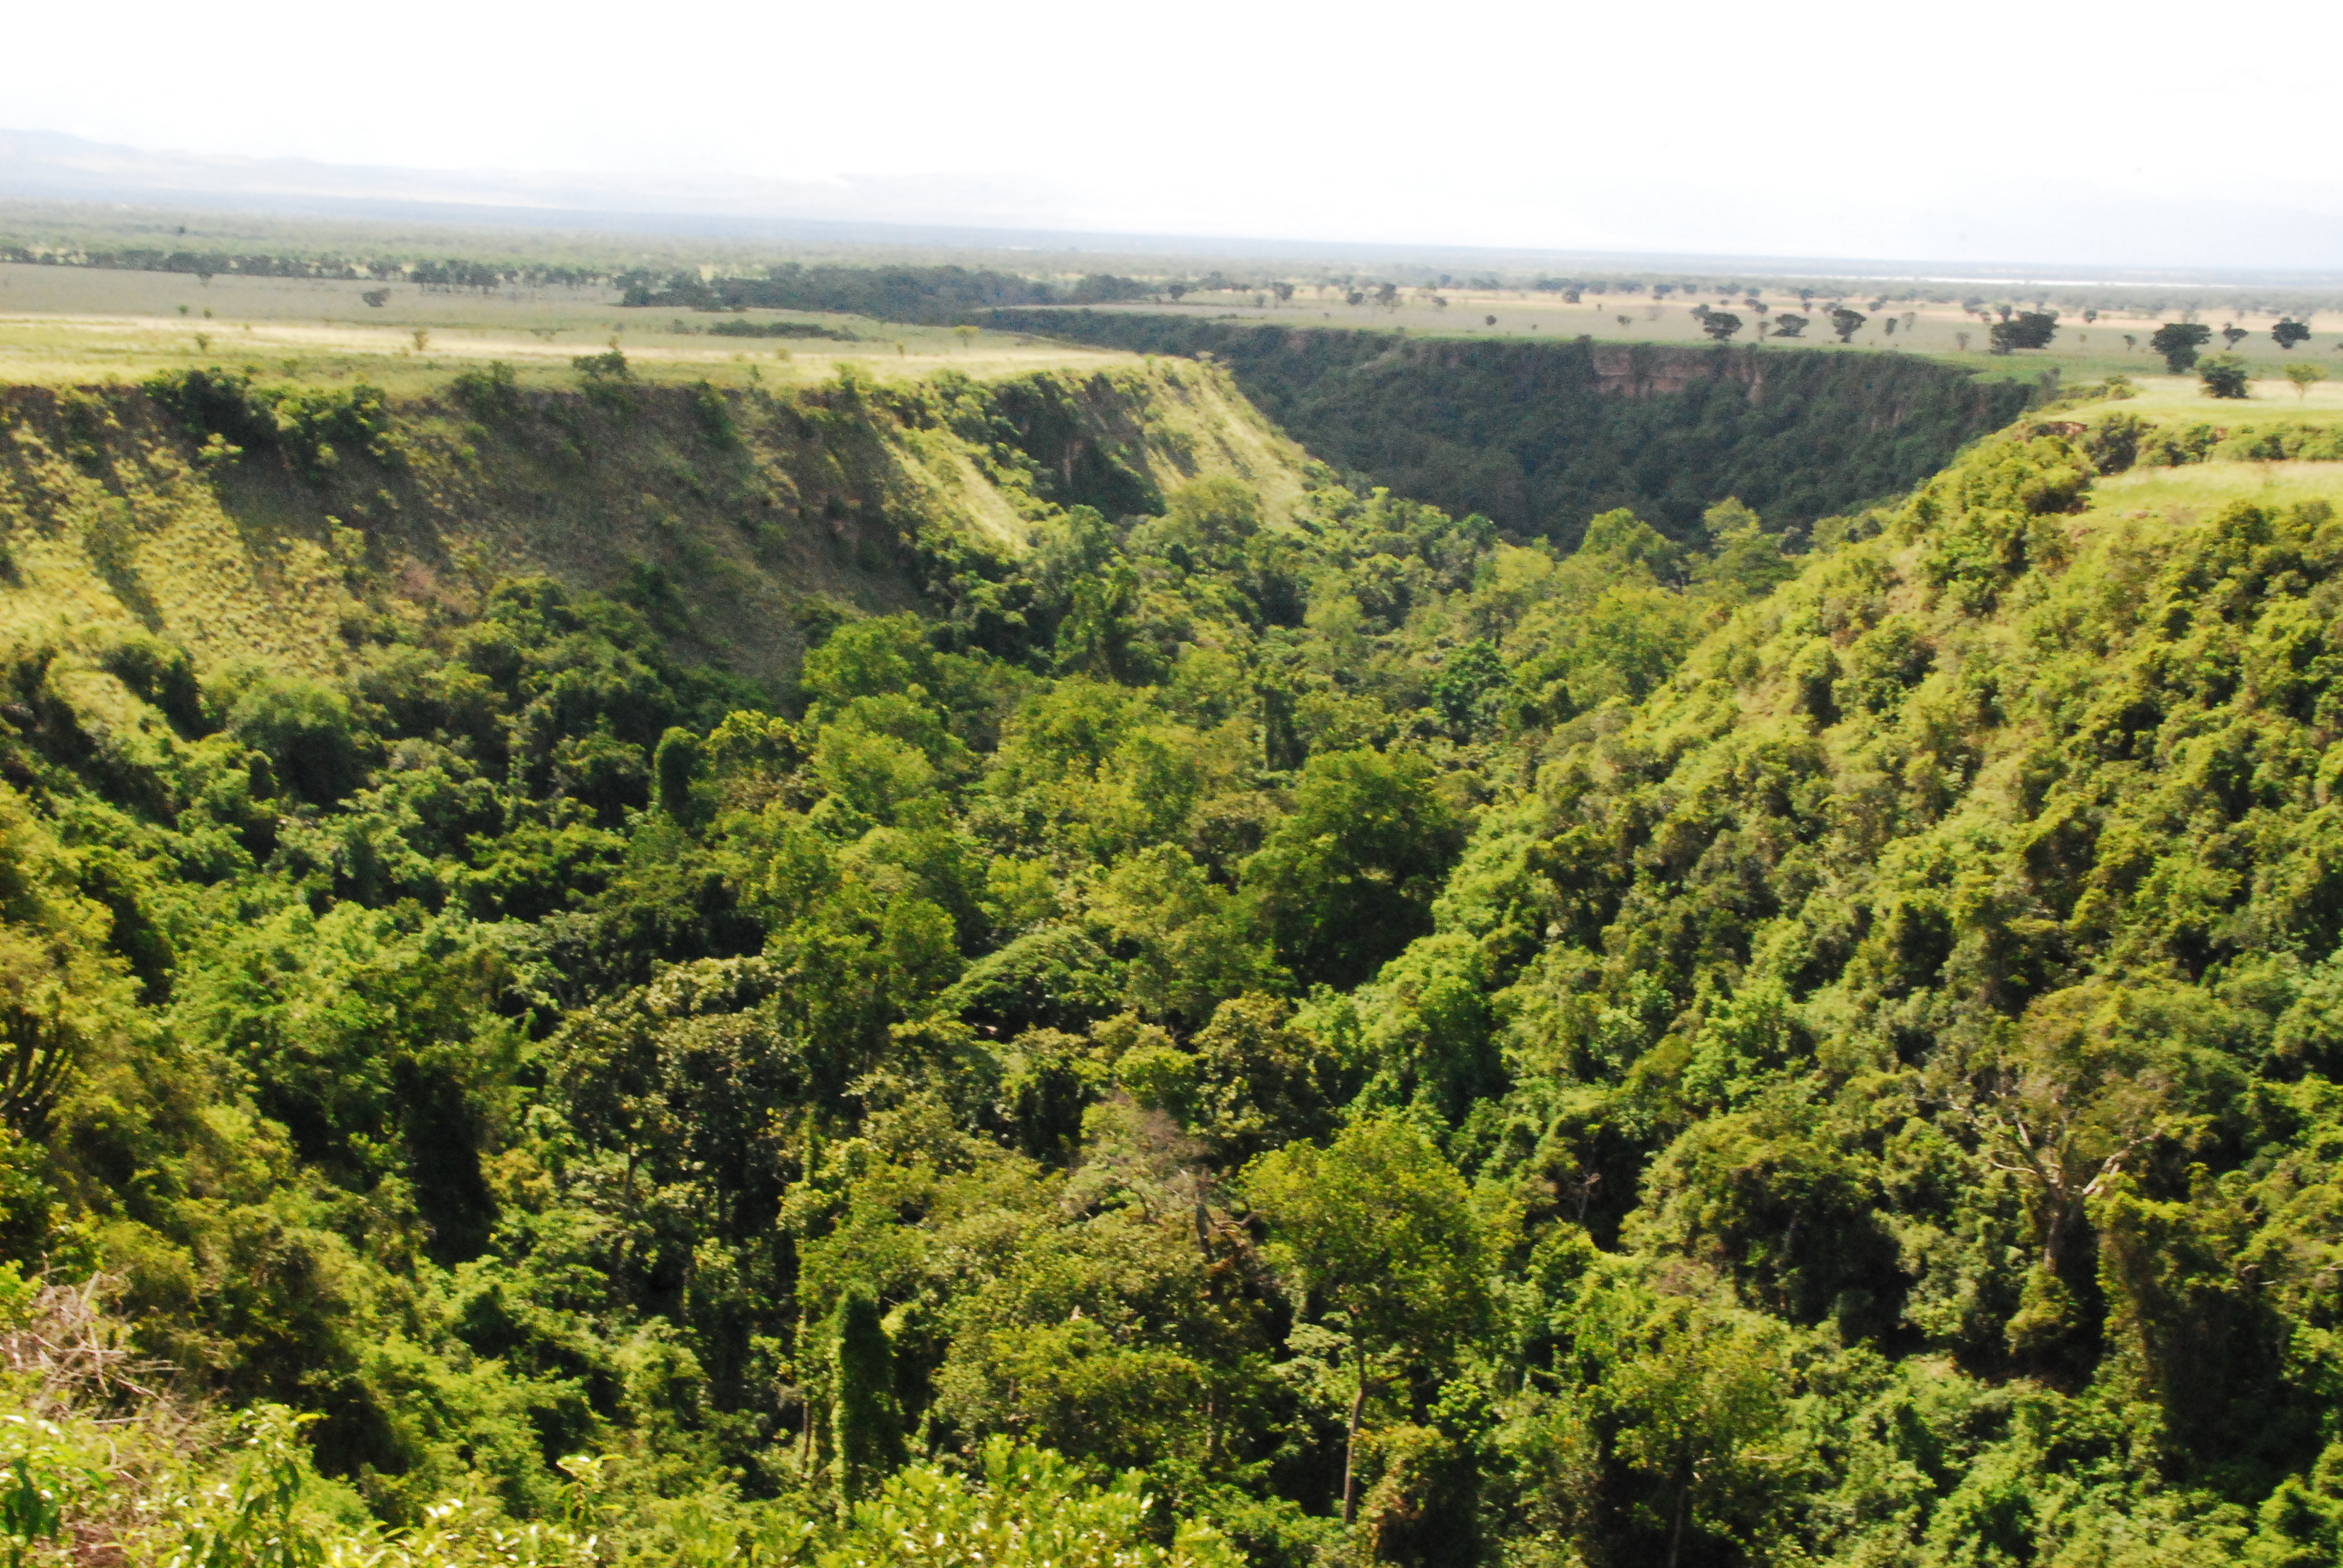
x=1540, y=437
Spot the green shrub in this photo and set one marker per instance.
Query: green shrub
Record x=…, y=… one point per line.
x=492, y=395
x=311, y=428
x=2223, y=376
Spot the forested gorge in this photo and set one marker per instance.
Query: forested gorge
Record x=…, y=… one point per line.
x=1539, y=437
x=1223, y=1036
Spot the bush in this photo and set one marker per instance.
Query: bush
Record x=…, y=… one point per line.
x=305, y=731
x=2223, y=376
x=492, y=395
x=165, y=676
x=310, y=428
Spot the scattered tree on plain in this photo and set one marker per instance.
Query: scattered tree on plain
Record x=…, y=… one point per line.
x=2179, y=342
x=2029, y=329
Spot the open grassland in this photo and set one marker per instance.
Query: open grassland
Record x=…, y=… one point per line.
x=74, y=326
x=2188, y=495
x=2199, y=490
x=67, y=324
x=2175, y=398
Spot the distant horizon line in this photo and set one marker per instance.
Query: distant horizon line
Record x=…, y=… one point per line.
x=68, y=187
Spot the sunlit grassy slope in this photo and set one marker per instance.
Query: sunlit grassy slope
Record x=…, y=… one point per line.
x=721, y=512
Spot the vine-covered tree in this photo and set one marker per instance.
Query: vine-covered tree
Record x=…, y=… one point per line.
x=866, y=1436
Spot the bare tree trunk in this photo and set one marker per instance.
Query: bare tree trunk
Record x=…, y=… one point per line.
x=1351, y=1448
x=1683, y=1507
x=2054, y=1234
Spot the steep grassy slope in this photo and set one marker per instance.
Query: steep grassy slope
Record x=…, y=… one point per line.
x=1540, y=436
x=717, y=513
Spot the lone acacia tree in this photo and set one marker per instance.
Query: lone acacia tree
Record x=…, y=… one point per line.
x=1846, y=323
x=1378, y=1229
x=2290, y=332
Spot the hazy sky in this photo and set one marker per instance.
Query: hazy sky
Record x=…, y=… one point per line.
x=2071, y=130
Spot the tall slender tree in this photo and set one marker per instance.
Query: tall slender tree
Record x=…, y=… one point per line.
x=866, y=1426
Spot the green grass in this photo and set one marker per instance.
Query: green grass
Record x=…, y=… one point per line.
x=2199, y=490
x=2180, y=399
x=66, y=325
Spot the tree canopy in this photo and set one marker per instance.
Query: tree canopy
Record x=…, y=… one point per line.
x=1235, y=1020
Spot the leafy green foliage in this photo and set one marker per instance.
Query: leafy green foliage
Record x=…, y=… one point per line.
x=2223, y=376
x=1396, y=1043
x=312, y=429
x=2179, y=342
x=869, y=1440
x=2027, y=330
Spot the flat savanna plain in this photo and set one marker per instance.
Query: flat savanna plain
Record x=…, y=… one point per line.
x=2116, y=343
x=63, y=325
x=69, y=326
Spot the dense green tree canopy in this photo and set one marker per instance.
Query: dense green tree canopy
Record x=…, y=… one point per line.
x=1246, y=1024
